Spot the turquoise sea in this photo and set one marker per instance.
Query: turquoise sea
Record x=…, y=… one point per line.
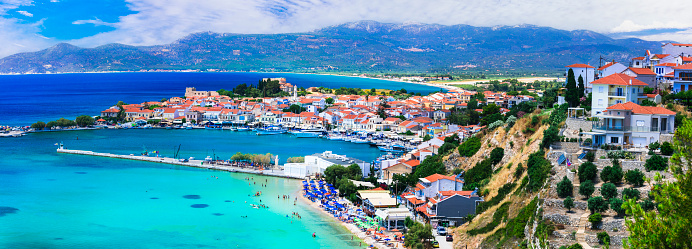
x=50, y=200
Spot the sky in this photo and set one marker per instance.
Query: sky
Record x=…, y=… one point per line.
x=27, y=25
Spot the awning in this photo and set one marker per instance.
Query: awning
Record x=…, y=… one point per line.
x=593, y=133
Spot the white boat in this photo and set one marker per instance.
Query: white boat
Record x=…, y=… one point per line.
x=272, y=130
x=359, y=141
x=243, y=129
x=305, y=134
x=335, y=138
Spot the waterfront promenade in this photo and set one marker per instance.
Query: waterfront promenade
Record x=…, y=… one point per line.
x=190, y=163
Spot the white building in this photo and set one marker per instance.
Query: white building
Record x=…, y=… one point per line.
x=677, y=49
x=610, y=68
x=615, y=89
x=317, y=163
x=632, y=125
x=583, y=70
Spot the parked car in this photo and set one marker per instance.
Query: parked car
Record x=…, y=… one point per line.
x=436, y=244
x=449, y=237
x=441, y=231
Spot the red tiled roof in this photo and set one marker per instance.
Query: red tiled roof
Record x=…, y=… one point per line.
x=661, y=56
x=437, y=177
x=637, y=109
x=579, y=65
x=415, y=201
x=452, y=192
x=681, y=44
x=667, y=65
x=606, y=65
x=684, y=66
x=619, y=79
x=638, y=58
x=642, y=71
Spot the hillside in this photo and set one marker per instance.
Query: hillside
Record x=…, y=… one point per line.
x=364, y=46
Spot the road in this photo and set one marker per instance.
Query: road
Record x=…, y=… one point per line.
x=443, y=242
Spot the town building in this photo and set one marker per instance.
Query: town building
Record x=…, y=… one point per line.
x=631, y=125
x=615, y=89
x=583, y=70
x=192, y=92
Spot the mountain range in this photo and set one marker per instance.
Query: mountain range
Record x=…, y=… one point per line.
x=364, y=46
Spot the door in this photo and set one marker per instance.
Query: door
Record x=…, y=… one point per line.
x=639, y=141
x=664, y=124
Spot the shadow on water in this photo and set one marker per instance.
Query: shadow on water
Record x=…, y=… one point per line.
x=199, y=205
x=191, y=197
x=7, y=210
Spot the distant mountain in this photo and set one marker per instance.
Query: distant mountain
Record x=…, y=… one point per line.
x=365, y=46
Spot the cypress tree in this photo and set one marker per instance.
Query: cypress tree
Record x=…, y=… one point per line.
x=582, y=87
x=572, y=97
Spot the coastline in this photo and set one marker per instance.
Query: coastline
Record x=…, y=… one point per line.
x=367, y=240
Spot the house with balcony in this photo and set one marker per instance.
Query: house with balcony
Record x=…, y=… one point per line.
x=616, y=89
x=682, y=78
x=631, y=125
x=585, y=71
x=440, y=200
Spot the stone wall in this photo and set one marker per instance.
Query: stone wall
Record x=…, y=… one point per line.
x=569, y=147
x=558, y=203
x=561, y=219
x=573, y=125
x=666, y=138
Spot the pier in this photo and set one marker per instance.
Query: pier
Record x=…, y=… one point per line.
x=191, y=163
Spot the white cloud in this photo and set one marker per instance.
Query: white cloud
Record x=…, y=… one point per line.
x=25, y=13
x=160, y=22
x=94, y=21
x=680, y=36
x=630, y=26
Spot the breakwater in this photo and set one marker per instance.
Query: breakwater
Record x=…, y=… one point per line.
x=190, y=163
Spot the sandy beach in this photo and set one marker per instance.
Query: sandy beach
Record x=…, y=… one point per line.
x=367, y=240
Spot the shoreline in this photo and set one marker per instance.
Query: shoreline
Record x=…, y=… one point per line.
x=352, y=228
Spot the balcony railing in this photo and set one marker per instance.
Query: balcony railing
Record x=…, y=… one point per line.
x=619, y=94
x=629, y=128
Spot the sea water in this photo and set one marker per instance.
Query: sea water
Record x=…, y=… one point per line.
x=45, y=97
x=51, y=200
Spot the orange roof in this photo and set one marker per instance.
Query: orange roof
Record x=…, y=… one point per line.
x=412, y=163
x=667, y=65
x=606, y=65
x=437, y=177
x=684, y=66
x=642, y=71
x=415, y=201
x=638, y=58
x=637, y=109
x=681, y=44
x=619, y=79
x=378, y=188
x=661, y=56
x=579, y=65
x=101, y=120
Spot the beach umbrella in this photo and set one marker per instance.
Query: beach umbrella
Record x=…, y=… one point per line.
x=395, y=230
x=387, y=239
x=382, y=228
x=371, y=229
x=398, y=234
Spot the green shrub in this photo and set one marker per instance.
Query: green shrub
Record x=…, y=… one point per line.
x=587, y=171
x=501, y=193
x=647, y=205
x=586, y=188
x=569, y=203
x=590, y=156
x=635, y=177
x=550, y=136
x=603, y=238
x=537, y=169
x=630, y=193
x=446, y=147
x=564, y=187
x=595, y=219
x=38, y=125
x=496, y=155
x=519, y=171
x=667, y=149
x=612, y=173
x=616, y=205
x=597, y=204
x=609, y=191
x=656, y=162
x=470, y=147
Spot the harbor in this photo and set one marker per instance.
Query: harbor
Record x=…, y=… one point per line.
x=204, y=164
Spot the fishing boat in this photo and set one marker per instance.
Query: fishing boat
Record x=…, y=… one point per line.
x=271, y=130
x=335, y=137
x=243, y=129
x=359, y=141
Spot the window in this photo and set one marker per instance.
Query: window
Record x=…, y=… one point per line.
x=600, y=102
x=640, y=122
x=618, y=113
x=600, y=89
x=686, y=76
x=682, y=88
x=614, y=140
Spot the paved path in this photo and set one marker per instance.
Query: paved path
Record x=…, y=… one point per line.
x=443, y=242
x=581, y=236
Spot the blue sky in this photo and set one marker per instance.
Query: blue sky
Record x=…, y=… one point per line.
x=27, y=25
